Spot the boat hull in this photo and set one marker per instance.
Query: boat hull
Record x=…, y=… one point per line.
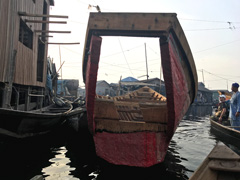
x=142, y=148
x=23, y=124
x=226, y=133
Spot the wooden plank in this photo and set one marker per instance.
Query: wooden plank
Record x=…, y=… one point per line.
x=225, y=165
x=155, y=114
x=105, y=110
x=47, y=31
x=41, y=15
x=59, y=43
x=223, y=152
x=44, y=35
x=46, y=22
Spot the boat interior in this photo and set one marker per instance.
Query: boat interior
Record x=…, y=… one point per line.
x=140, y=110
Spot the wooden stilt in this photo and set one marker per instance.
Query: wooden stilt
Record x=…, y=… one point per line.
x=7, y=92
x=27, y=99
x=17, y=99
x=41, y=98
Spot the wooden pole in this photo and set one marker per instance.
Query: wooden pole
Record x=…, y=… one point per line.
x=160, y=78
x=41, y=15
x=203, y=77
x=61, y=68
x=46, y=22
x=27, y=98
x=58, y=70
x=16, y=98
x=46, y=31
x=119, y=86
x=44, y=36
x=146, y=60
x=11, y=61
x=41, y=99
x=62, y=43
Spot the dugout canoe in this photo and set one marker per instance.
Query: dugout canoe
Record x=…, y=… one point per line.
x=221, y=163
x=227, y=133
x=139, y=140
x=24, y=124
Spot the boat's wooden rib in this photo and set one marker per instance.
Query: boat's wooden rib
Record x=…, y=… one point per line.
x=221, y=163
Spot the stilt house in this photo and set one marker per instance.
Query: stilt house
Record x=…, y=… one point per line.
x=23, y=52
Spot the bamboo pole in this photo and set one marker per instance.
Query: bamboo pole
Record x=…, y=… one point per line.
x=41, y=15
x=58, y=70
x=46, y=22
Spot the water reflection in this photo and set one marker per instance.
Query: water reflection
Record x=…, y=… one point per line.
x=59, y=167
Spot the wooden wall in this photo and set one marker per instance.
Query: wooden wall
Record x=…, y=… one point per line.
x=26, y=59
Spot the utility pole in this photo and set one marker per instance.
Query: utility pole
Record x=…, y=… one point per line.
x=203, y=77
x=160, y=78
x=61, y=69
x=146, y=60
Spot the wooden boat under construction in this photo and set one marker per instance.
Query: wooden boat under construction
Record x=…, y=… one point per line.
x=135, y=129
x=221, y=163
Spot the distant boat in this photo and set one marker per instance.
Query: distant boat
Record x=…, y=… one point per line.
x=221, y=163
x=24, y=124
x=135, y=129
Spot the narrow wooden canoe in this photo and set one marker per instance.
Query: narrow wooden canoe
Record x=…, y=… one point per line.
x=139, y=141
x=24, y=124
x=221, y=163
x=228, y=133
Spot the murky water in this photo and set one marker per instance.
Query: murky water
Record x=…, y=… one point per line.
x=69, y=155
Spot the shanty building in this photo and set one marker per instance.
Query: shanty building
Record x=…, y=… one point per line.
x=23, y=52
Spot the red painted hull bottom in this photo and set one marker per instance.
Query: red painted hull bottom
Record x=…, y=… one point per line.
x=140, y=149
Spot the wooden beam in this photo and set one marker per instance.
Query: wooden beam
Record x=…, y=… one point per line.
x=62, y=43
x=44, y=36
x=46, y=22
x=46, y=31
x=41, y=15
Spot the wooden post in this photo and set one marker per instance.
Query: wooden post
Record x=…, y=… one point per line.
x=7, y=92
x=17, y=99
x=27, y=99
x=10, y=71
x=41, y=99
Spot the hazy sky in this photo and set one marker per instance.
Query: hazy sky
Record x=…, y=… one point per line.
x=212, y=28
